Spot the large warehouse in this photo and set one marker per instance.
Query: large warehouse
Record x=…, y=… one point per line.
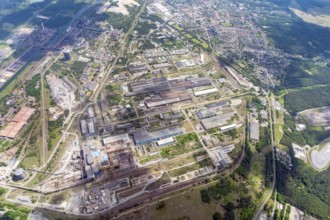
x=216, y=121
x=17, y=123
x=144, y=137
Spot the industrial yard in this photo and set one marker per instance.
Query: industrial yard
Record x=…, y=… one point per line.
x=123, y=112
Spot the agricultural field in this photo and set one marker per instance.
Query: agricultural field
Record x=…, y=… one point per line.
x=317, y=117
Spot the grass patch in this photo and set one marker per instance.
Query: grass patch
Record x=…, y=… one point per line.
x=58, y=198
x=189, y=168
x=77, y=68
x=163, y=180
x=31, y=162
x=185, y=144
x=5, y=146
x=194, y=40
x=144, y=161
x=54, y=131
x=130, y=192
x=178, y=28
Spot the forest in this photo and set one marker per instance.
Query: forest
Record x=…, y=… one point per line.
x=305, y=99
x=305, y=188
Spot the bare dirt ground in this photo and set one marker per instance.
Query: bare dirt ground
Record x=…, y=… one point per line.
x=315, y=15
x=317, y=116
x=122, y=6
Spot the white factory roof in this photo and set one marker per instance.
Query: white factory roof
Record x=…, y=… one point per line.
x=228, y=127
x=165, y=141
x=91, y=128
x=220, y=155
x=162, y=102
x=205, y=92
x=216, y=121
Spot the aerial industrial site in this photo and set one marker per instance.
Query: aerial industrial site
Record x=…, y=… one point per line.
x=129, y=103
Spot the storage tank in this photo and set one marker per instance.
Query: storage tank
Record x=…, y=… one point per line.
x=19, y=174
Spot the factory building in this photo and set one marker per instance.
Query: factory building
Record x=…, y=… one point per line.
x=90, y=126
x=228, y=127
x=217, y=105
x=219, y=155
x=149, y=86
x=205, y=92
x=155, y=102
x=17, y=123
x=144, y=137
x=123, y=138
x=91, y=112
x=87, y=127
x=116, y=142
x=161, y=66
x=88, y=169
x=165, y=141
x=63, y=91
x=83, y=127
x=194, y=82
x=161, y=84
x=185, y=63
x=216, y=121
x=205, y=113
x=168, y=97
x=137, y=67
x=166, y=91
x=254, y=131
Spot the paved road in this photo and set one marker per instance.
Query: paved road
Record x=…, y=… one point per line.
x=143, y=199
x=261, y=207
x=104, y=81
x=44, y=158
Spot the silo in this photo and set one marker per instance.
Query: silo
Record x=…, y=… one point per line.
x=19, y=174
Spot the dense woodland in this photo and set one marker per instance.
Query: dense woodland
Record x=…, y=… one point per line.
x=305, y=188
x=33, y=87
x=306, y=99
x=302, y=186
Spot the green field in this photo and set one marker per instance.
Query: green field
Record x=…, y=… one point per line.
x=185, y=144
